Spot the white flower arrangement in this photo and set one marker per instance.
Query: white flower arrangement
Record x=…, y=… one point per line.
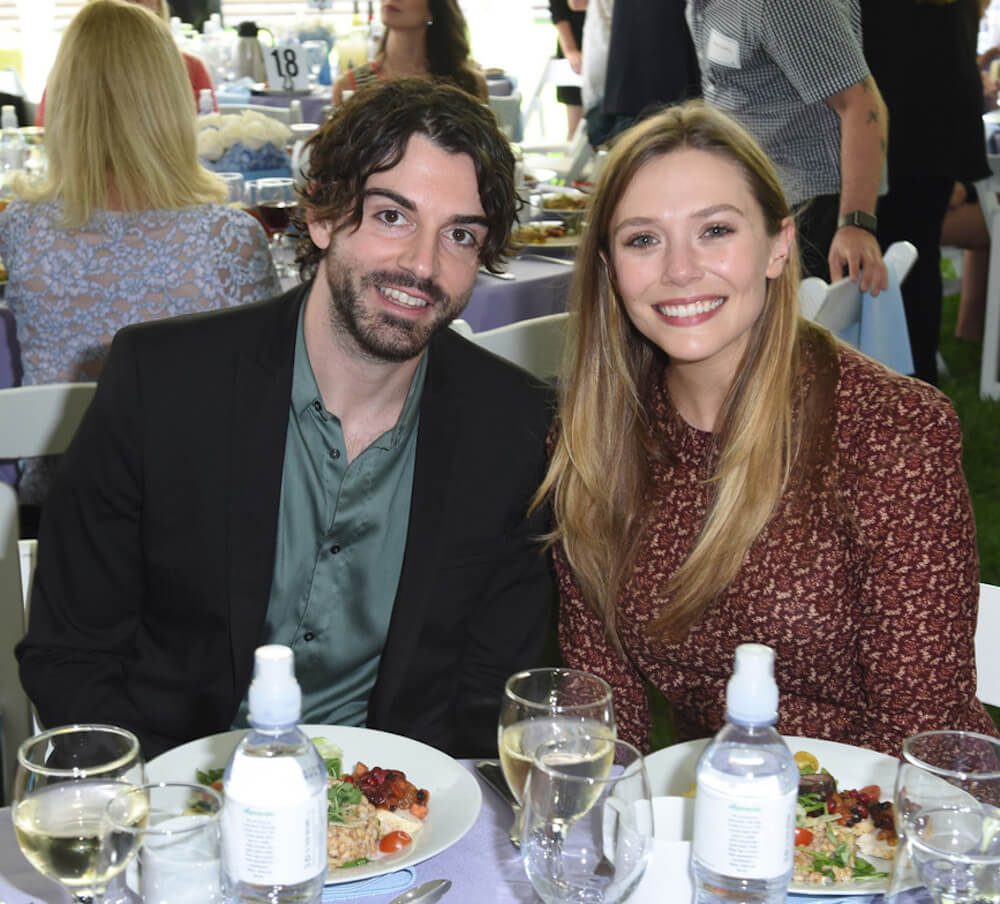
x=219, y=132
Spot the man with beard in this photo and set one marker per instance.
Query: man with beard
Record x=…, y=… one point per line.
x=333, y=469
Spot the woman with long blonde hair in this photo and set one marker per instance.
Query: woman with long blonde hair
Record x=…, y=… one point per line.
x=725, y=472
x=127, y=225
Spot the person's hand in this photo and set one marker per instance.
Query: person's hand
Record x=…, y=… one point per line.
x=575, y=61
x=858, y=251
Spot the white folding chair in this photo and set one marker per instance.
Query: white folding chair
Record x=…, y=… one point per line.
x=535, y=344
x=987, y=632
x=989, y=373
x=14, y=706
x=569, y=159
x=508, y=111
x=838, y=305
x=557, y=73
x=34, y=421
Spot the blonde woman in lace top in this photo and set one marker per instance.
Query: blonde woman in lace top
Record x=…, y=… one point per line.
x=128, y=225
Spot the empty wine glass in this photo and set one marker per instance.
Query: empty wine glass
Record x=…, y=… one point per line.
x=544, y=704
x=587, y=832
x=234, y=184
x=947, y=819
x=65, y=779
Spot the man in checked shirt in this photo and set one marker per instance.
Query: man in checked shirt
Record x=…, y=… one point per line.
x=794, y=74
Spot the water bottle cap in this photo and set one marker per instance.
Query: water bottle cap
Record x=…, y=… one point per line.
x=8, y=117
x=752, y=693
x=275, y=698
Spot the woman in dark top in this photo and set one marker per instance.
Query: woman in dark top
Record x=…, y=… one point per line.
x=725, y=472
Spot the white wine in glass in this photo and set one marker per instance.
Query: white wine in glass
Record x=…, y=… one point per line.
x=547, y=704
x=65, y=779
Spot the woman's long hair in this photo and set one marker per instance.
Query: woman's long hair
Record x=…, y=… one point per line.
x=448, y=47
x=599, y=475
x=120, y=119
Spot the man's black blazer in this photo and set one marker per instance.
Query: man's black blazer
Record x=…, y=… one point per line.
x=157, y=541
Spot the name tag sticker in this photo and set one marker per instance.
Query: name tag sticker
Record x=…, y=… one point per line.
x=723, y=50
x=287, y=69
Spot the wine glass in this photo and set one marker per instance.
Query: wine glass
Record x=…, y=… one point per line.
x=545, y=704
x=587, y=832
x=948, y=819
x=234, y=185
x=273, y=202
x=65, y=778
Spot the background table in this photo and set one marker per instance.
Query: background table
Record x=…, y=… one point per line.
x=539, y=288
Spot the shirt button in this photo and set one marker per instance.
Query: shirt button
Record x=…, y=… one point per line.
x=335, y=549
x=335, y=453
x=308, y=636
x=317, y=407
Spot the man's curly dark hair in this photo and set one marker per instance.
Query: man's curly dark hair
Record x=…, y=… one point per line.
x=369, y=133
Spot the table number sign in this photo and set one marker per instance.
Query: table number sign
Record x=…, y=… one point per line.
x=287, y=67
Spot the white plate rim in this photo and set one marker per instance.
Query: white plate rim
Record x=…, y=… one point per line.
x=454, y=792
x=861, y=763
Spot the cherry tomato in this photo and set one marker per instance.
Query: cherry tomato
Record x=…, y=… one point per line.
x=802, y=836
x=217, y=785
x=393, y=841
x=873, y=791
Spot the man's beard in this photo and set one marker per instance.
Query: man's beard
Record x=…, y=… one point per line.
x=378, y=335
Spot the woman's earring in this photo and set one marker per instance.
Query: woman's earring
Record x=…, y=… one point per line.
x=430, y=22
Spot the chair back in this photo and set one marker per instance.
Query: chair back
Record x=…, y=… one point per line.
x=838, y=305
x=987, y=632
x=508, y=111
x=41, y=420
x=536, y=344
x=34, y=420
x=14, y=706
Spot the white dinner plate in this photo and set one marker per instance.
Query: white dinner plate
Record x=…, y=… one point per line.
x=672, y=772
x=454, y=802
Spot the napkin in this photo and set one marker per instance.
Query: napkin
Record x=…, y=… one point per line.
x=881, y=332
x=377, y=885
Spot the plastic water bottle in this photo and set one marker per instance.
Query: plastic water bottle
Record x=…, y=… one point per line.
x=13, y=147
x=744, y=824
x=274, y=822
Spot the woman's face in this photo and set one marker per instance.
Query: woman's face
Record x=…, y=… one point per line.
x=405, y=13
x=691, y=257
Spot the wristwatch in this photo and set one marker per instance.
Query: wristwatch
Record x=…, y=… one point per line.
x=860, y=219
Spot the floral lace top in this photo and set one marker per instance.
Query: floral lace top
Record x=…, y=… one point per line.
x=71, y=290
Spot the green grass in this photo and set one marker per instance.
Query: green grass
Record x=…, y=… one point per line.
x=980, y=419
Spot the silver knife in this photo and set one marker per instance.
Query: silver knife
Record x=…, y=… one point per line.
x=490, y=772
x=425, y=894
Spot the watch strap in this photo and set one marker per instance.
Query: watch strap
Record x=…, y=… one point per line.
x=860, y=219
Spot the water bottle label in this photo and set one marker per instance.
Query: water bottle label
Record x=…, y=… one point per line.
x=745, y=836
x=273, y=831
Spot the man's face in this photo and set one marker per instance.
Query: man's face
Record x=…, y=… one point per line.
x=409, y=268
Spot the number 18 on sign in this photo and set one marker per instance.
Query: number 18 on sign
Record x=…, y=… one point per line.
x=287, y=67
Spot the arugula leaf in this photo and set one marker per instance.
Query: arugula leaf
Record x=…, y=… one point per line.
x=812, y=801
x=838, y=858
x=361, y=861
x=341, y=796
x=864, y=870
x=209, y=776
